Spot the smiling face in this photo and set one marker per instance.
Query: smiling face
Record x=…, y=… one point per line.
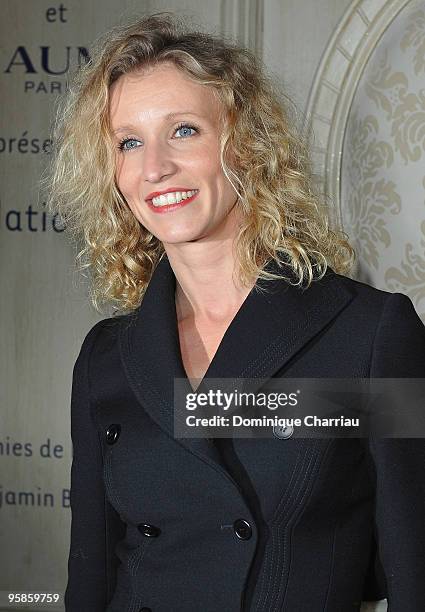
x=167, y=131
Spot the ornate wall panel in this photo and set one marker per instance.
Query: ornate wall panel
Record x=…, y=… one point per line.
x=368, y=116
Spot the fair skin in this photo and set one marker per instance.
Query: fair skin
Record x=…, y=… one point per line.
x=159, y=152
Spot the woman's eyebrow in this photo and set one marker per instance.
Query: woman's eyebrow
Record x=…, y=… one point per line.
x=130, y=128
x=176, y=114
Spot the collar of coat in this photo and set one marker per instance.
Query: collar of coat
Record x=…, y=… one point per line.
x=267, y=331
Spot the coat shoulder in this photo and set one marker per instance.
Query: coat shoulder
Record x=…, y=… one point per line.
x=365, y=296
x=100, y=345
x=397, y=328
x=356, y=287
x=106, y=331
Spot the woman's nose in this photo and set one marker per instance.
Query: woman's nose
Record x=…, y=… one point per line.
x=158, y=162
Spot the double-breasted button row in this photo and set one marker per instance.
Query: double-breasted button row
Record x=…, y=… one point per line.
x=150, y=531
x=113, y=433
x=242, y=529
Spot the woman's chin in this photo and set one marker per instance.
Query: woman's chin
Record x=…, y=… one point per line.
x=177, y=236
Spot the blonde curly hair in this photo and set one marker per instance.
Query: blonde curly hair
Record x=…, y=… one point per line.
x=284, y=218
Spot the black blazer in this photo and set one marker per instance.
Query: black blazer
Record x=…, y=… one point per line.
x=297, y=525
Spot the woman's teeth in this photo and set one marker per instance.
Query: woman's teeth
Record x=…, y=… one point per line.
x=173, y=197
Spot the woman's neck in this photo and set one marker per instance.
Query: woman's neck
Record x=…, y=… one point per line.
x=207, y=285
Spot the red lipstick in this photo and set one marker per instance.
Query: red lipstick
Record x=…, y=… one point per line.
x=155, y=194
x=169, y=207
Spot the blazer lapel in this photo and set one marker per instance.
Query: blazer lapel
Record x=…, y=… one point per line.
x=272, y=325
x=150, y=353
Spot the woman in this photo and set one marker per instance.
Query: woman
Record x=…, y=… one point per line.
x=177, y=164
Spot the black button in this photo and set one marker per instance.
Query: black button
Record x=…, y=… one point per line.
x=150, y=531
x=242, y=529
x=144, y=609
x=113, y=433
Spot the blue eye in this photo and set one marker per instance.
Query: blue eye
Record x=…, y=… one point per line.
x=128, y=143
x=185, y=130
